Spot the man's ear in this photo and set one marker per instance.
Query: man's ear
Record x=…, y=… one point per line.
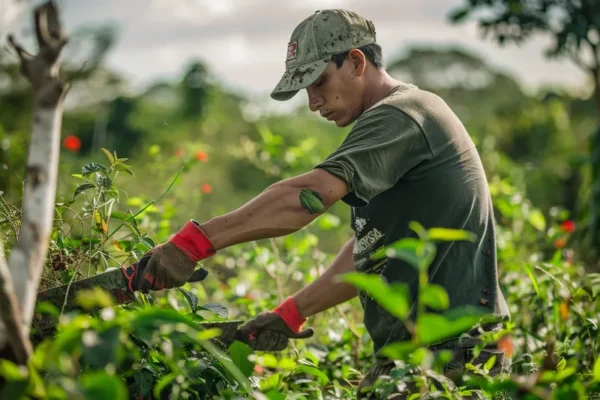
x=358, y=60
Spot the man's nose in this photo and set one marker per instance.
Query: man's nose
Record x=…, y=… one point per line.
x=314, y=99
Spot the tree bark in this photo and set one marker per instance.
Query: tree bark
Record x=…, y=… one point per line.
x=26, y=259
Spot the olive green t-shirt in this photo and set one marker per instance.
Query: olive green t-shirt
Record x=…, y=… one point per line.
x=407, y=158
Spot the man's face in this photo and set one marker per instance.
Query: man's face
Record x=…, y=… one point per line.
x=337, y=94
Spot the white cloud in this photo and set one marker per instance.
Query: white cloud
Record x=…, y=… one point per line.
x=244, y=41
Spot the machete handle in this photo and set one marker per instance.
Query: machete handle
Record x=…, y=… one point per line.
x=199, y=275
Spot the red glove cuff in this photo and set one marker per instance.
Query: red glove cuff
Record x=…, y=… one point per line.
x=288, y=311
x=193, y=242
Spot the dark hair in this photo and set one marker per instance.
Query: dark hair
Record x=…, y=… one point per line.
x=372, y=52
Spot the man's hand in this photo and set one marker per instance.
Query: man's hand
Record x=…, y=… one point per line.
x=171, y=264
x=272, y=327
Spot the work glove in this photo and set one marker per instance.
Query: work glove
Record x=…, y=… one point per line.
x=173, y=263
x=271, y=329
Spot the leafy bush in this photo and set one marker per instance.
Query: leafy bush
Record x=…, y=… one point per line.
x=156, y=346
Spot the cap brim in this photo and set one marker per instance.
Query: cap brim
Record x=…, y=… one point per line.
x=299, y=77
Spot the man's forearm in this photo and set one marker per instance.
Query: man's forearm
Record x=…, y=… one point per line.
x=277, y=211
x=325, y=292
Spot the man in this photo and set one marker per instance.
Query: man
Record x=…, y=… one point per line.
x=408, y=157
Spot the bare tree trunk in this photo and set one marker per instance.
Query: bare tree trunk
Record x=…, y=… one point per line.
x=27, y=257
x=10, y=312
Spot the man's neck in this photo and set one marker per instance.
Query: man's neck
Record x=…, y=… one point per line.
x=379, y=86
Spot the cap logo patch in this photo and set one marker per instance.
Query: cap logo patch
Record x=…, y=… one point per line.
x=291, y=52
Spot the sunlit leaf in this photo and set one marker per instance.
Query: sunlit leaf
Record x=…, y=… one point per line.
x=445, y=234
x=93, y=298
x=123, y=168
x=393, y=297
x=239, y=353
x=416, y=252
x=108, y=155
x=11, y=371
x=315, y=372
x=534, y=281
x=537, y=220
x=597, y=369
x=398, y=350
x=434, y=296
x=433, y=328
x=489, y=364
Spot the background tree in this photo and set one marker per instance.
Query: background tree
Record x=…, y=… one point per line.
x=574, y=26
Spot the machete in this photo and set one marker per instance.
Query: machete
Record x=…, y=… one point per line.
x=114, y=282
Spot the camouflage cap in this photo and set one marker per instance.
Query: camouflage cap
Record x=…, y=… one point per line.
x=314, y=41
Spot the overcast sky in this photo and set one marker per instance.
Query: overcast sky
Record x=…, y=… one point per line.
x=244, y=41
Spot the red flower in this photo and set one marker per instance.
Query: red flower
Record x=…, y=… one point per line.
x=206, y=188
x=179, y=153
x=72, y=143
x=568, y=226
x=560, y=243
x=505, y=345
x=201, y=156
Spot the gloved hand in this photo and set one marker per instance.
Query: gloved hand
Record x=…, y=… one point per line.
x=171, y=264
x=279, y=325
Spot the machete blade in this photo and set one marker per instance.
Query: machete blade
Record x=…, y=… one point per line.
x=114, y=282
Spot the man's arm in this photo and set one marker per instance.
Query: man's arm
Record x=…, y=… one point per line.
x=277, y=211
x=325, y=292
x=285, y=321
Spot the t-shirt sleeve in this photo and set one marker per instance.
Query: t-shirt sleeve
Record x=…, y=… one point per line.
x=383, y=145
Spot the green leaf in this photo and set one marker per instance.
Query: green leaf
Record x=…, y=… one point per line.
x=12, y=372
x=102, y=180
x=311, y=201
x=393, y=297
x=108, y=155
x=102, y=349
x=537, y=220
x=101, y=386
x=82, y=188
x=275, y=395
x=433, y=328
x=145, y=379
x=562, y=363
x=316, y=372
x=217, y=308
x=434, y=296
x=191, y=298
x=534, y=281
x=91, y=168
x=124, y=168
x=147, y=320
x=416, y=252
x=418, y=229
x=148, y=242
x=162, y=384
x=398, y=350
x=447, y=235
x=597, y=369
x=489, y=364
x=239, y=355
x=93, y=298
